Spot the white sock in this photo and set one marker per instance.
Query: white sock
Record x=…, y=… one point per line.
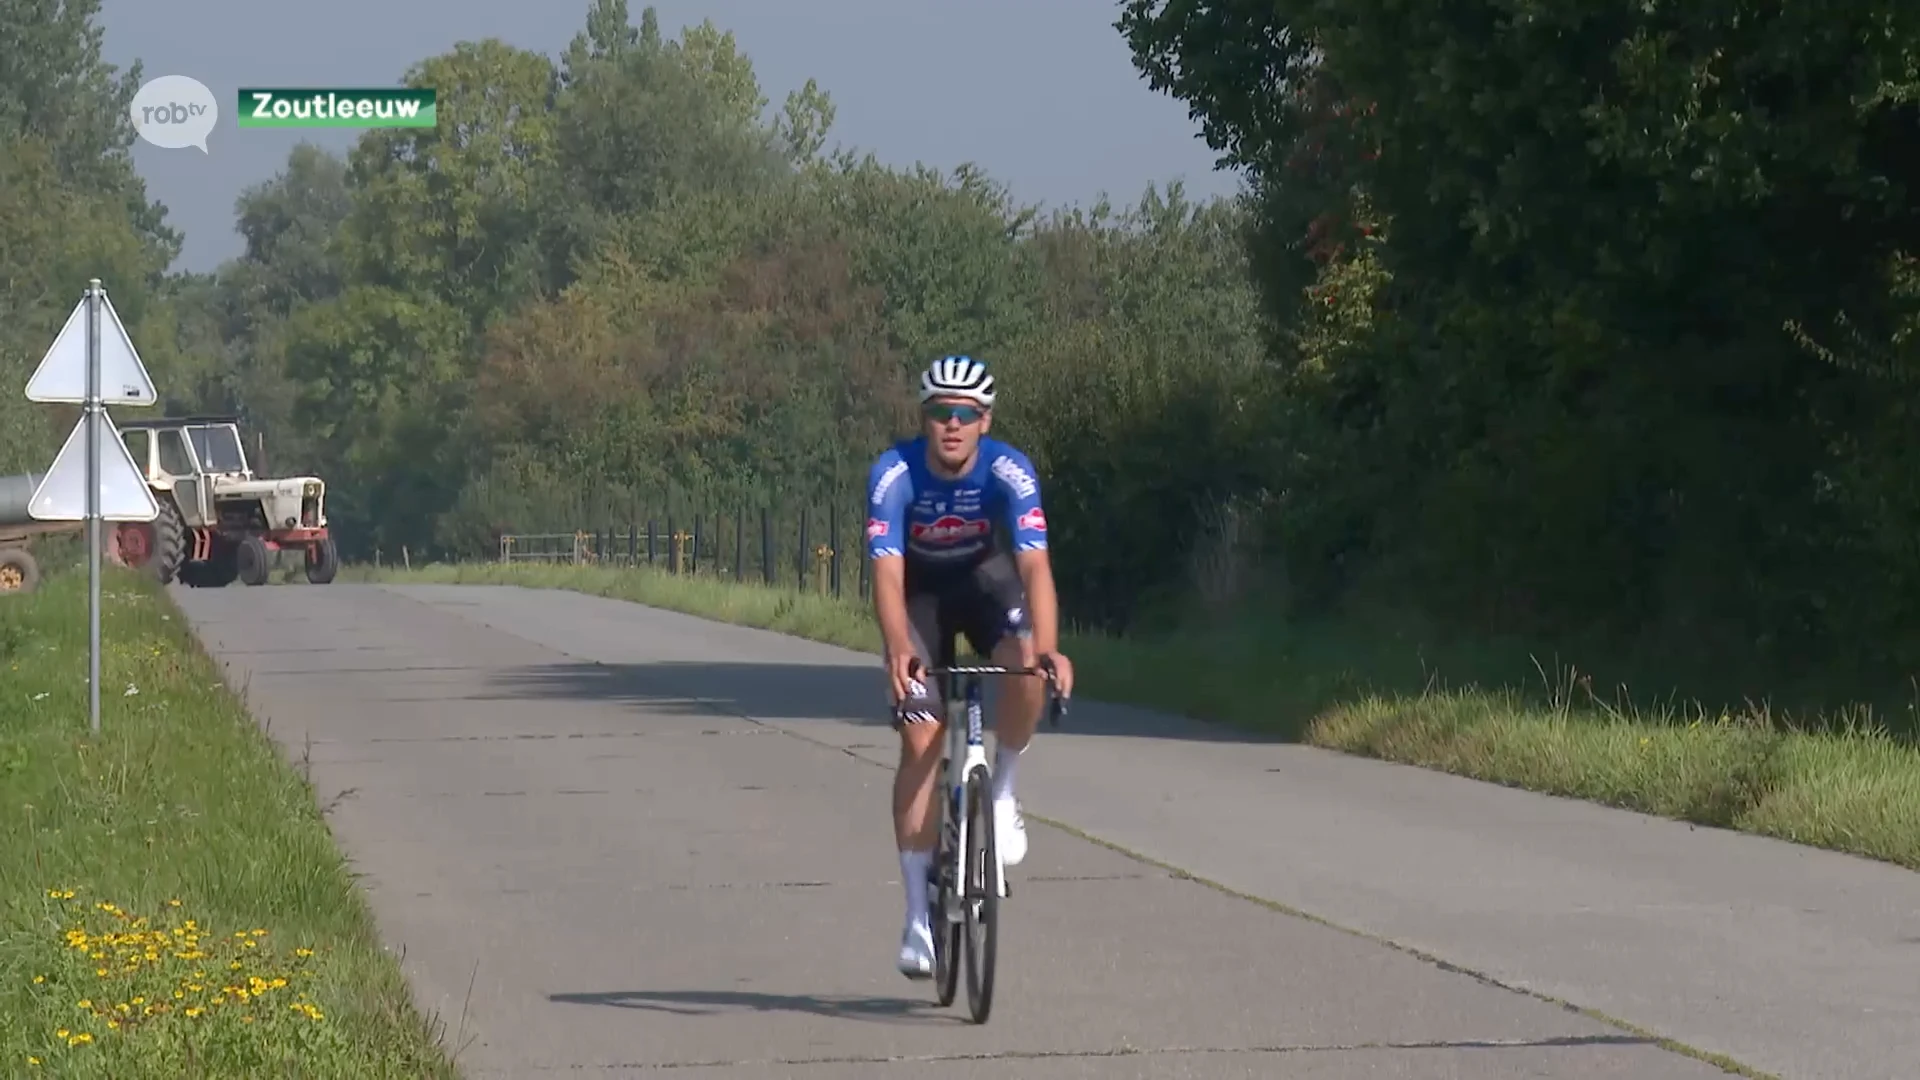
x=1004, y=760
x=914, y=866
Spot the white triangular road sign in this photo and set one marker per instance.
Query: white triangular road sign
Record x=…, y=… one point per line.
x=124, y=495
x=62, y=375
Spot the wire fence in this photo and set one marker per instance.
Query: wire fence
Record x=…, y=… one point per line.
x=809, y=549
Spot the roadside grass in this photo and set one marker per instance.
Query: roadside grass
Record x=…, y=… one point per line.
x=171, y=900
x=1844, y=781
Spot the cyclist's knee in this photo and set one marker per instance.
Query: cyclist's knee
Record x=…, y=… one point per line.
x=1015, y=650
x=919, y=742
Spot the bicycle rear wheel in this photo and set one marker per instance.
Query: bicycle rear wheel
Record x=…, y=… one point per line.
x=981, y=894
x=946, y=958
x=946, y=930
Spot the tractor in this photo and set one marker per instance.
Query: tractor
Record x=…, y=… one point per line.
x=218, y=522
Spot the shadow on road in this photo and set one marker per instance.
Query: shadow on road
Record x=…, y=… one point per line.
x=847, y=694
x=717, y=1002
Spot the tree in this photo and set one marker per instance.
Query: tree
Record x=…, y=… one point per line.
x=56, y=87
x=71, y=207
x=1595, y=222
x=453, y=211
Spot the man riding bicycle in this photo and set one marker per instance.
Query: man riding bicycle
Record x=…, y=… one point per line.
x=939, y=569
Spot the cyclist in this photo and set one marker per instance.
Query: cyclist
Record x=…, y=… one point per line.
x=939, y=569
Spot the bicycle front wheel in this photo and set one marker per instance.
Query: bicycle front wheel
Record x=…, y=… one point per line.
x=981, y=894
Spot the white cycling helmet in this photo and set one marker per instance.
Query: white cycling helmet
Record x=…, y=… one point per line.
x=957, y=376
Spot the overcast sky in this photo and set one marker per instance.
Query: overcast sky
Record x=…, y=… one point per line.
x=1040, y=93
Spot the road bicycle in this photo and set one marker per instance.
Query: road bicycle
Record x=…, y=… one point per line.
x=968, y=879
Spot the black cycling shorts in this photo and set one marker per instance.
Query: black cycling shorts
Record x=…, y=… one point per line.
x=985, y=604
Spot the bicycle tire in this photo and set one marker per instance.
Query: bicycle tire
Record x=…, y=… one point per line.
x=946, y=953
x=982, y=894
x=946, y=960
x=946, y=932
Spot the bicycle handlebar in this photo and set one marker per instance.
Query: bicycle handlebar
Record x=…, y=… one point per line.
x=1056, y=702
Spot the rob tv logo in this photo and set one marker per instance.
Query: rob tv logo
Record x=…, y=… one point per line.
x=174, y=112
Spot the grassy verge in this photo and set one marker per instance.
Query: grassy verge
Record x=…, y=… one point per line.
x=1847, y=784
x=171, y=900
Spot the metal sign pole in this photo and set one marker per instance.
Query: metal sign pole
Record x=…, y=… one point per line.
x=74, y=372
x=93, y=503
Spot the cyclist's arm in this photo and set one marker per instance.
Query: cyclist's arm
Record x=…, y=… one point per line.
x=887, y=497
x=1036, y=574
x=1028, y=523
x=890, y=603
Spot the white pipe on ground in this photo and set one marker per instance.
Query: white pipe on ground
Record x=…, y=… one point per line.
x=15, y=493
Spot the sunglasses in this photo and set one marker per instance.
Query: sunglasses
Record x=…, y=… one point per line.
x=940, y=414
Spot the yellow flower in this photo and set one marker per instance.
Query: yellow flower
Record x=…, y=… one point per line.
x=83, y=1037
x=38, y=979
x=194, y=1010
x=31, y=1060
x=85, y=1003
x=173, y=903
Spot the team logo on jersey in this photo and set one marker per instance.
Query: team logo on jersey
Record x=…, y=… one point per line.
x=876, y=527
x=1034, y=520
x=895, y=472
x=950, y=529
x=1015, y=477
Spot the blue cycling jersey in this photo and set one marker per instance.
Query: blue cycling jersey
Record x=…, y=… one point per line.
x=938, y=522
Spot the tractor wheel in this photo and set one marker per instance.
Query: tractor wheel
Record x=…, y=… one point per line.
x=323, y=561
x=18, y=571
x=254, y=561
x=158, y=547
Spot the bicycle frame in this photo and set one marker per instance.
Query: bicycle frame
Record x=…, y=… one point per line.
x=966, y=745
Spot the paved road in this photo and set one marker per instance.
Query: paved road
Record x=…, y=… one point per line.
x=613, y=840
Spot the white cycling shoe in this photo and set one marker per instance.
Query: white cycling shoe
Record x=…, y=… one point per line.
x=916, y=951
x=1009, y=831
